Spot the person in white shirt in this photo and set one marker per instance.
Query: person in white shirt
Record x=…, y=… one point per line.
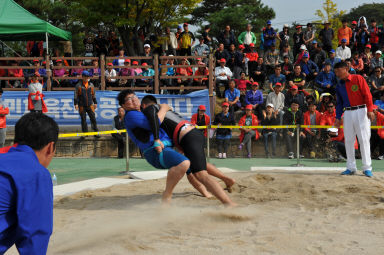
x=170, y=44
x=109, y=74
x=223, y=74
x=343, y=51
x=277, y=99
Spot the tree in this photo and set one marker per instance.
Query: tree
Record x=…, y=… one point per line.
x=60, y=14
x=236, y=13
x=332, y=15
x=374, y=10
x=128, y=16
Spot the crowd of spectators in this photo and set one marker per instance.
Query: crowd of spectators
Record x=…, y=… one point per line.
x=287, y=79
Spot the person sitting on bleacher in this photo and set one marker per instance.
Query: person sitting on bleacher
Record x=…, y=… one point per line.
x=249, y=119
x=184, y=71
x=357, y=63
x=232, y=97
x=333, y=60
x=147, y=72
x=57, y=73
x=277, y=77
x=308, y=68
x=254, y=97
x=259, y=73
x=202, y=70
x=18, y=72
x=223, y=74
x=297, y=78
x=326, y=80
x=110, y=73
x=126, y=70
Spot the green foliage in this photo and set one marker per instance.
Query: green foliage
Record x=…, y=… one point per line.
x=331, y=14
x=374, y=10
x=236, y=13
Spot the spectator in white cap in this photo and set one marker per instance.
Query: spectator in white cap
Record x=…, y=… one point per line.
x=147, y=53
x=376, y=61
x=269, y=119
x=283, y=36
x=299, y=57
x=343, y=51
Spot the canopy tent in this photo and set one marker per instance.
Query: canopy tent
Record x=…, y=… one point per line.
x=17, y=24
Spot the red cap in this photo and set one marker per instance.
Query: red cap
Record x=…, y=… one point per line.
x=225, y=104
x=222, y=60
x=249, y=107
x=255, y=84
x=354, y=22
x=251, y=45
x=202, y=108
x=278, y=84
x=109, y=64
x=127, y=60
x=298, y=26
x=35, y=60
x=36, y=74
x=185, y=24
x=144, y=64
x=375, y=107
x=293, y=87
x=59, y=60
x=241, y=47
x=44, y=63
x=368, y=46
x=135, y=63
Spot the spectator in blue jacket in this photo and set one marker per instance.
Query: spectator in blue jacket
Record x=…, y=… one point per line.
x=332, y=58
x=232, y=96
x=254, y=97
x=326, y=80
x=269, y=35
x=308, y=68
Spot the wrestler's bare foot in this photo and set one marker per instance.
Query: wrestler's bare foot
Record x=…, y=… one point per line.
x=229, y=182
x=231, y=205
x=166, y=200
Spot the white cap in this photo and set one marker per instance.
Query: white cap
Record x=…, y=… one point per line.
x=302, y=47
x=378, y=52
x=270, y=105
x=147, y=45
x=333, y=130
x=285, y=25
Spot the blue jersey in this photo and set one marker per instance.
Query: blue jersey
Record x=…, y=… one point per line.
x=26, y=202
x=139, y=130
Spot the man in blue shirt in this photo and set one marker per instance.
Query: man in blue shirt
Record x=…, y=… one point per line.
x=156, y=150
x=26, y=197
x=232, y=97
x=326, y=80
x=277, y=77
x=308, y=68
x=254, y=97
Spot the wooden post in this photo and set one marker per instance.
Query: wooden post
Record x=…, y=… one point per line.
x=211, y=69
x=102, y=71
x=156, y=78
x=49, y=73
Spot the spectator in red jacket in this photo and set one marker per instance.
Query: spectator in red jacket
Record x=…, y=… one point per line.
x=377, y=135
x=3, y=122
x=201, y=119
x=312, y=135
x=249, y=119
x=18, y=72
x=35, y=49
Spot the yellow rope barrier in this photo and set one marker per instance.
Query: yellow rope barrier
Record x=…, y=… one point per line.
x=204, y=127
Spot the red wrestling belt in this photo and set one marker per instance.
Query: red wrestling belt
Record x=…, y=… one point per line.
x=177, y=131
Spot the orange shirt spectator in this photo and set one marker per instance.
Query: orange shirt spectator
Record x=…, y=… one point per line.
x=344, y=33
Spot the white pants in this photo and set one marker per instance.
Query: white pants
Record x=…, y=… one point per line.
x=357, y=123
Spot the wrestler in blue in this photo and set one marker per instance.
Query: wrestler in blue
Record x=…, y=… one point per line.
x=139, y=131
x=26, y=196
x=191, y=141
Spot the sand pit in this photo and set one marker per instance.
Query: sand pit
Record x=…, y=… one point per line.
x=280, y=213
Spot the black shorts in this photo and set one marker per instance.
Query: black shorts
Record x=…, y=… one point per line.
x=193, y=146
